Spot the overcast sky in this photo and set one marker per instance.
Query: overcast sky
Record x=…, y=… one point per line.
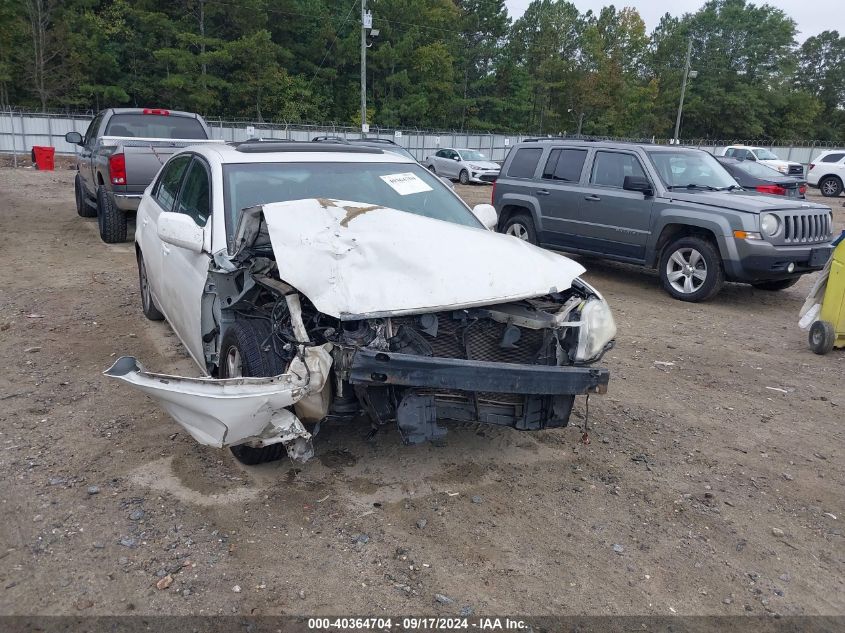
x=824, y=14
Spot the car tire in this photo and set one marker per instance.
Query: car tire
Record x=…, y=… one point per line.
x=148, y=305
x=702, y=273
x=242, y=354
x=432, y=169
x=830, y=186
x=110, y=219
x=822, y=337
x=521, y=226
x=463, y=177
x=83, y=209
x=779, y=284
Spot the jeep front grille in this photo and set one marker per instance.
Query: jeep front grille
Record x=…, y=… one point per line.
x=803, y=228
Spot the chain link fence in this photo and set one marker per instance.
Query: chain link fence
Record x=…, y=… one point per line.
x=20, y=130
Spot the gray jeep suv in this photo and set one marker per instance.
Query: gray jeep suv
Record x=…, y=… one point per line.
x=669, y=207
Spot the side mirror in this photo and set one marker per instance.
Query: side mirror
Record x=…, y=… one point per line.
x=457, y=159
x=180, y=230
x=447, y=182
x=751, y=157
x=638, y=183
x=74, y=138
x=486, y=214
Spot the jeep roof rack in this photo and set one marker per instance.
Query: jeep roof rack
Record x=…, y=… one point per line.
x=257, y=147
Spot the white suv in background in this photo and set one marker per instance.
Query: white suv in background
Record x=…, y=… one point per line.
x=765, y=157
x=827, y=172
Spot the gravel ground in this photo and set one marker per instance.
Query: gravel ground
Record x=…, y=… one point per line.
x=712, y=484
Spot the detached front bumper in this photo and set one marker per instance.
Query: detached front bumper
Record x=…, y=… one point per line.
x=406, y=370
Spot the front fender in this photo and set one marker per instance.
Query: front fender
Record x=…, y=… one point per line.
x=721, y=226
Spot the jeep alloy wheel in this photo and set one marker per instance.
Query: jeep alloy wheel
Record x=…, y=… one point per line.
x=686, y=270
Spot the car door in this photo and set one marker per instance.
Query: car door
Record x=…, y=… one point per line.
x=162, y=199
x=84, y=161
x=446, y=164
x=560, y=193
x=185, y=272
x=614, y=221
x=437, y=160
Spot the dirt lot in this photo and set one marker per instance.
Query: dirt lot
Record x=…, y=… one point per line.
x=713, y=483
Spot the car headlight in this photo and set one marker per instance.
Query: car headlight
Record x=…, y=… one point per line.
x=783, y=169
x=769, y=224
x=474, y=166
x=597, y=329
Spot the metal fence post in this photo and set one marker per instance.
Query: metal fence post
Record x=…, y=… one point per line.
x=14, y=144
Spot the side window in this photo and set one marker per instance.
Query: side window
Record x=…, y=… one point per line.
x=453, y=155
x=565, y=164
x=441, y=153
x=610, y=168
x=91, y=132
x=194, y=196
x=168, y=182
x=833, y=158
x=730, y=152
x=524, y=162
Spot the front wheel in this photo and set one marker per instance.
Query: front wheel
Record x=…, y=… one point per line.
x=83, y=209
x=247, y=351
x=822, y=337
x=830, y=187
x=463, y=177
x=110, y=219
x=147, y=304
x=691, y=269
x=774, y=286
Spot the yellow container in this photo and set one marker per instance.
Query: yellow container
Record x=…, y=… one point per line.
x=829, y=330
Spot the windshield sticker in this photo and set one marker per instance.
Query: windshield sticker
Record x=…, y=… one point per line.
x=405, y=184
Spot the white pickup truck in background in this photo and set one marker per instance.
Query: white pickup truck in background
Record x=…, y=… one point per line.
x=119, y=156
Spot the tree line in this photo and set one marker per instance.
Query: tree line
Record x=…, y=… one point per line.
x=442, y=64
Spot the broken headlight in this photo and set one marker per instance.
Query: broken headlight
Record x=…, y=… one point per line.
x=597, y=329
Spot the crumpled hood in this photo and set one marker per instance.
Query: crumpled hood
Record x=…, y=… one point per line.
x=354, y=260
x=750, y=202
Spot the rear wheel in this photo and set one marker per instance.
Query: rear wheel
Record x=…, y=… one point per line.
x=432, y=169
x=463, y=177
x=521, y=226
x=822, y=337
x=830, y=186
x=691, y=269
x=110, y=219
x=780, y=284
x=83, y=209
x=246, y=352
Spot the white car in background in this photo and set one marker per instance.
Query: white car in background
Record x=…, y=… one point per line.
x=827, y=172
x=465, y=165
x=310, y=280
x=765, y=157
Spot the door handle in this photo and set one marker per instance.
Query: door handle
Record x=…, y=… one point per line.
x=592, y=198
x=165, y=250
x=145, y=221
x=543, y=192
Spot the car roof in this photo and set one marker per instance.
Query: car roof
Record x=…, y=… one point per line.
x=297, y=152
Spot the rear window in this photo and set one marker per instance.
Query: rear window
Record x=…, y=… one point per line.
x=155, y=126
x=565, y=164
x=524, y=162
x=832, y=158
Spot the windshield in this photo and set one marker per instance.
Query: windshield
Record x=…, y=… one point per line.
x=764, y=154
x=692, y=169
x=758, y=171
x=155, y=126
x=403, y=186
x=471, y=154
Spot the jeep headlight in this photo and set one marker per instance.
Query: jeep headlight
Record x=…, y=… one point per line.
x=769, y=224
x=597, y=329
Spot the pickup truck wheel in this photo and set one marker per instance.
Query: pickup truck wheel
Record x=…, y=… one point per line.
x=822, y=337
x=147, y=304
x=691, y=269
x=111, y=220
x=463, y=177
x=522, y=226
x=830, y=186
x=780, y=284
x=242, y=354
x=83, y=209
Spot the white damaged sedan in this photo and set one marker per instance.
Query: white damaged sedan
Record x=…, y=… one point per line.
x=310, y=281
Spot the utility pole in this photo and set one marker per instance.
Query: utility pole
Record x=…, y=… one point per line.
x=683, y=91
x=364, y=126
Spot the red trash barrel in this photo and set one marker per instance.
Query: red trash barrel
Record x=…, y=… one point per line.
x=43, y=157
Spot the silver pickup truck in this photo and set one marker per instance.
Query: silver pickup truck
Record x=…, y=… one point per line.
x=119, y=156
